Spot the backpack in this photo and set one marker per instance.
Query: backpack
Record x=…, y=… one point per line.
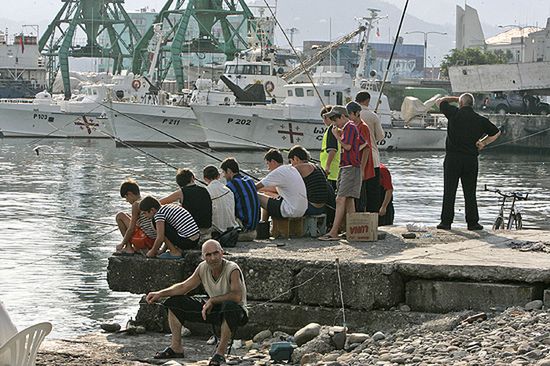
x=229, y=238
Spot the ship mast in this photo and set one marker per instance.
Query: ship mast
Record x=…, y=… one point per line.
x=369, y=25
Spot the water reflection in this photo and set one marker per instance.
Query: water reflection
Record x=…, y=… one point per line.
x=53, y=268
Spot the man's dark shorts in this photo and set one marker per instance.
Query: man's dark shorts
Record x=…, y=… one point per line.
x=274, y=207
x=189, y=308
x=172, y=234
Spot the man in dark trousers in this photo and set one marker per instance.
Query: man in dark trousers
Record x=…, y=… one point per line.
x=467, y=134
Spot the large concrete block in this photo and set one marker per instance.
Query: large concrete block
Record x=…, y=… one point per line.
x=289, y=318
x=442, y=296
x=546, y=299
x=139, y=275
x=267, y=278
x=364, y=286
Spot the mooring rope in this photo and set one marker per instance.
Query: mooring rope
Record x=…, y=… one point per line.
x=341, y=293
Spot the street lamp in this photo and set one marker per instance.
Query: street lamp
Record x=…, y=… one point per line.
x=426, y=43
x=521, y=28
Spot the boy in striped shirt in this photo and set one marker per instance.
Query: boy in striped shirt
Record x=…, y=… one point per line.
x=352, y=154
x=174, y=225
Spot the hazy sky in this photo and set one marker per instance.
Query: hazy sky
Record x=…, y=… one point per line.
x=491, y=13
x=524, y=12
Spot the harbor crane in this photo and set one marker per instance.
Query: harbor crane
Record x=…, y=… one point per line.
x=222, y=26
x=93, y=19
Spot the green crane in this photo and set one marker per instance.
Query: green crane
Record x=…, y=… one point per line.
x=89, y=19
x=230, y=16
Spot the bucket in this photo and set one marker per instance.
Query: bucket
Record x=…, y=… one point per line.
x=262, y=230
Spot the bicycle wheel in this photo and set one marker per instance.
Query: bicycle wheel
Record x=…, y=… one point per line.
x=518, y=221
x=499, y=223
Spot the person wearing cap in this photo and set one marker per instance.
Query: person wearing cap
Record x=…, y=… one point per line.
x=367, y=166
x=330, y=150
x=376, y=135
x=349, y=179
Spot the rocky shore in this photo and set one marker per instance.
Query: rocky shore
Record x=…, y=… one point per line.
x=517, y=336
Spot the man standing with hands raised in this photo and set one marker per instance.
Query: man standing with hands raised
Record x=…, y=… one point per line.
x=467, y=134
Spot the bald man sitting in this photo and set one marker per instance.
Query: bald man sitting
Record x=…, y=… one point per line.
x=224, y=283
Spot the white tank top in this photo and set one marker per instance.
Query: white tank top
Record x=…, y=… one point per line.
x=222, y=285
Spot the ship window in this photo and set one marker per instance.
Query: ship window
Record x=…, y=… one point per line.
x=248, y=70
x=230, y=69
x=327, y=93
x=309, y=92
x=289, y=92
x=239, y=70
x=265, y=70
x=299, y=92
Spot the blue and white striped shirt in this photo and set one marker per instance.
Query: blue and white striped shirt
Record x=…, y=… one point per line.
x=247, y=204
x=179, y=218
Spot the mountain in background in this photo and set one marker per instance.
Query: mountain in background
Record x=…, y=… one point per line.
x=340, y=17
x=331, y=19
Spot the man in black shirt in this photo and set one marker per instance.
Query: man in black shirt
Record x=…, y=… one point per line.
x=467, y=134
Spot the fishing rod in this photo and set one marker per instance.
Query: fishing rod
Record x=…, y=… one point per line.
x=391, y=56
x=295, y=53
x=186, y=143
x=89, y=221
x=56, y=129
x=245, y=139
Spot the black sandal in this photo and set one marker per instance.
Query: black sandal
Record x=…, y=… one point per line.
x=168, y=353
x=216, y=360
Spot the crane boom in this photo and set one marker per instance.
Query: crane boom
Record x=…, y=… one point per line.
x=315, y=59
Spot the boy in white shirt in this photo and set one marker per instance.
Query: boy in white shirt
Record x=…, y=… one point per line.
x=285, y=182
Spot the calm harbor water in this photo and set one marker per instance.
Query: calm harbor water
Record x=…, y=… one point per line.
x=58, y=213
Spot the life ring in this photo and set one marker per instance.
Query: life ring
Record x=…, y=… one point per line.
x=269, y=86
x=136, y=84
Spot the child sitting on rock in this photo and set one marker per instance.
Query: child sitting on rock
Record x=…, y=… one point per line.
x=136, y=229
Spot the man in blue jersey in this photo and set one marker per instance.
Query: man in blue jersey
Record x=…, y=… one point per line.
x=174, y=225
x=247, y=204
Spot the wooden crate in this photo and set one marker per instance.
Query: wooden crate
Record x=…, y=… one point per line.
x=362, y=226
x=288, y=227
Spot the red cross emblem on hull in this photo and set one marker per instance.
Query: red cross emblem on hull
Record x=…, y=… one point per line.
x=290, y=132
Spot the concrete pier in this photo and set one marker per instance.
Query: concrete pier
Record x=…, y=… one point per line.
x=293, y=282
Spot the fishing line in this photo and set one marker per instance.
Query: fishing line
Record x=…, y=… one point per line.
x=61, y=128
x=296, y=54
x=518, y=139
x=247, y=140
x=378, y=102
x=56, y=253
x=89, y=221
x=256, y=305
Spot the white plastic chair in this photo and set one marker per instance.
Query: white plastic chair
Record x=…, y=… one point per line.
x=22, y=348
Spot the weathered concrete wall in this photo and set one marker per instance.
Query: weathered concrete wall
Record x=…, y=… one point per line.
x=443, y=296
x=523, y=131
x=364, y=287
x=289, y=318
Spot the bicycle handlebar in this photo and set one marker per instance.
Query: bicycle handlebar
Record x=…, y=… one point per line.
x=517, y=195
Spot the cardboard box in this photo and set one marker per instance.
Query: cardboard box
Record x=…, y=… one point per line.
x=362, y=226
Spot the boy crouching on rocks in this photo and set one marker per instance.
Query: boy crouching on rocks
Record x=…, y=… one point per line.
x=138, y=233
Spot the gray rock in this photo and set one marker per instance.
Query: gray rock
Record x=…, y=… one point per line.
x=110, y=327
x=311, y=358
x=264, y=334
x=535, y=354
x=357, y=338
x=533, y=305
x=171, y=363
x=378, y=336
x=545, y=362
x=321, y=344
x=307, y=333
x=405, y=308
x=339, y=340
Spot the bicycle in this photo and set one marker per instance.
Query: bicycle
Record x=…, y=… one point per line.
x=514, y=218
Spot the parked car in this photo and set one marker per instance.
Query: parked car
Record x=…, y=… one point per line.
x=503, y=103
